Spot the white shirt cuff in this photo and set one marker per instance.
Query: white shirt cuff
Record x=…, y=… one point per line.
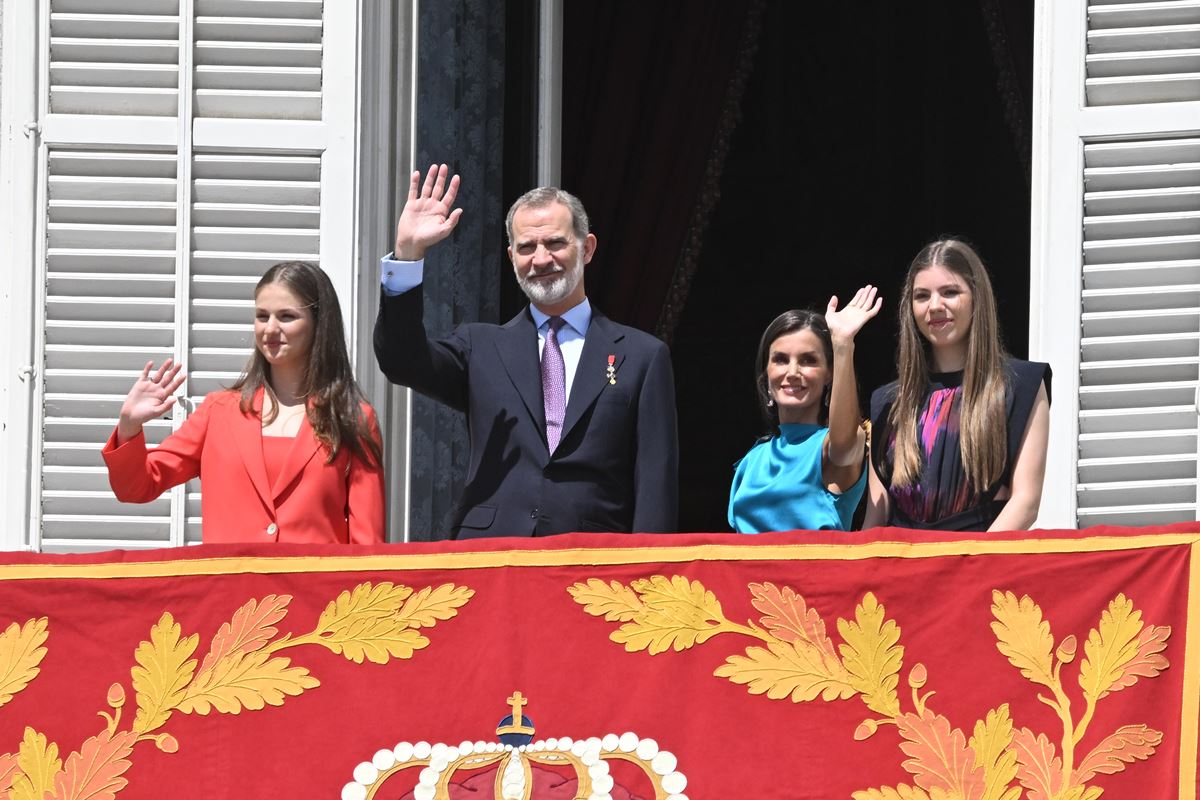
x=399, y=277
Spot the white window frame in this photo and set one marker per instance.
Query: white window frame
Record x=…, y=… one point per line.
x=386, y=110
x=1062, y=123
x=18, y=221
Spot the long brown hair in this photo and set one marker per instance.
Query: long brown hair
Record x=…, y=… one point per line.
x=982, y=437
x=335, y=403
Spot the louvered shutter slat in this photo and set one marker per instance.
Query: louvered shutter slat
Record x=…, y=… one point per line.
x=128, y=333
x=75, y=404
x=101, y=357
x=1102, y=471
x=280, y=79
x=1124, y=348
x=76, y=478
x=113, y=212
x=1139, y=395
x=83, y=284
x=147, y=7
x=1163, y=273
x=115, y=26
x=148, y=76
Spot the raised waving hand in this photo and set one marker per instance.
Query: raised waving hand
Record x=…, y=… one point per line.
x=846, y=437
x=845, y=324
x=152, y=395
x=428, y=215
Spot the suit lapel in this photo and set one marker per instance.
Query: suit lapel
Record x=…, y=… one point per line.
x=303, y=448
x=517, y=345
x=591, y=376
x=246, y=432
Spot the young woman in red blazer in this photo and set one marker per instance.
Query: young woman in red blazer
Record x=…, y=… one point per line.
x=290, y=453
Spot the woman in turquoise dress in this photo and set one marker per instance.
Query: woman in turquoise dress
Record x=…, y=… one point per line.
x=808, y=472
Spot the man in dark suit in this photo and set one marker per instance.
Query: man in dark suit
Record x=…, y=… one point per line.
x=571, y=416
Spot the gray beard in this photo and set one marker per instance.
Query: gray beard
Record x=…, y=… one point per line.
x=555, y=291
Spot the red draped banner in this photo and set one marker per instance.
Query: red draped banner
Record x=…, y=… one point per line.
x=886, y=665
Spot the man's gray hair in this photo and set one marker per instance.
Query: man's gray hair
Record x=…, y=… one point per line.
x=548, y=195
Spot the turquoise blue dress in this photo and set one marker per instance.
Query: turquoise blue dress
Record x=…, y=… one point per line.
x=778, y=486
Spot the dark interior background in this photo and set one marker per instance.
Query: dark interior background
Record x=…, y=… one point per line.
x=863, y=130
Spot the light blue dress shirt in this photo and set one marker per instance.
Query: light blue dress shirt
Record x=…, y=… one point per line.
x=400, y=276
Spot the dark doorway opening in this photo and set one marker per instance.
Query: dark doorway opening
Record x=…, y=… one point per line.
x=866, y=129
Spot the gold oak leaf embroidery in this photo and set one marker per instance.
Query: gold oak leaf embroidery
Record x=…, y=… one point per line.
x=614, y=601
x=1038, y=769
x=20, y=653
x=901, y=792
x=938, y=756
x=782, y=669
x=361, y=623
x=871, y=656
x=1023, y=636
x=252, y=626
x=1117, y=652
x=8, y=770
x=991, y=742
x=1128, y=744
x=246, y=680
x=787, y=617
x=94, y=773
x=38, y=764
x=165, y=668
x=369, y=623
x=427, y=606
x=662, y=612
x=677, y=614
x=239, y=672
x=1081, y=793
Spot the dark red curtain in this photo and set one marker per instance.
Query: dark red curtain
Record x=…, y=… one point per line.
x=643, y=96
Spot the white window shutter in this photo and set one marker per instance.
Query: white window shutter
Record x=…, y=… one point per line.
x=1116, y=224
x=157, y=227
x=1140, y=345
x=109, y=308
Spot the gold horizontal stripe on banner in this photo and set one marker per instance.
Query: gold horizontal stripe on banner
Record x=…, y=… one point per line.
x=591, y=556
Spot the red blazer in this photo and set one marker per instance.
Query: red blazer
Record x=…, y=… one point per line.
x=311, y=502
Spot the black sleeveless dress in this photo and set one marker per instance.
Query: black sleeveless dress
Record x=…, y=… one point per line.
x=943, y=498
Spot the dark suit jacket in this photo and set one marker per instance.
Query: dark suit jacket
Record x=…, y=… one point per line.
x=616, y=466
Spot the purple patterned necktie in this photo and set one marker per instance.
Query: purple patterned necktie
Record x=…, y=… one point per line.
x=554, y=383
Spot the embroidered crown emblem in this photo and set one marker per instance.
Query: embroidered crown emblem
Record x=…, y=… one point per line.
x=518, y=768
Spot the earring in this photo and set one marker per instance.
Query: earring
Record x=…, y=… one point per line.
x=770, y=402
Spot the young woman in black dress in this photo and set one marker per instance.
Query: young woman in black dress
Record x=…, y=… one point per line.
x=959, y=440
